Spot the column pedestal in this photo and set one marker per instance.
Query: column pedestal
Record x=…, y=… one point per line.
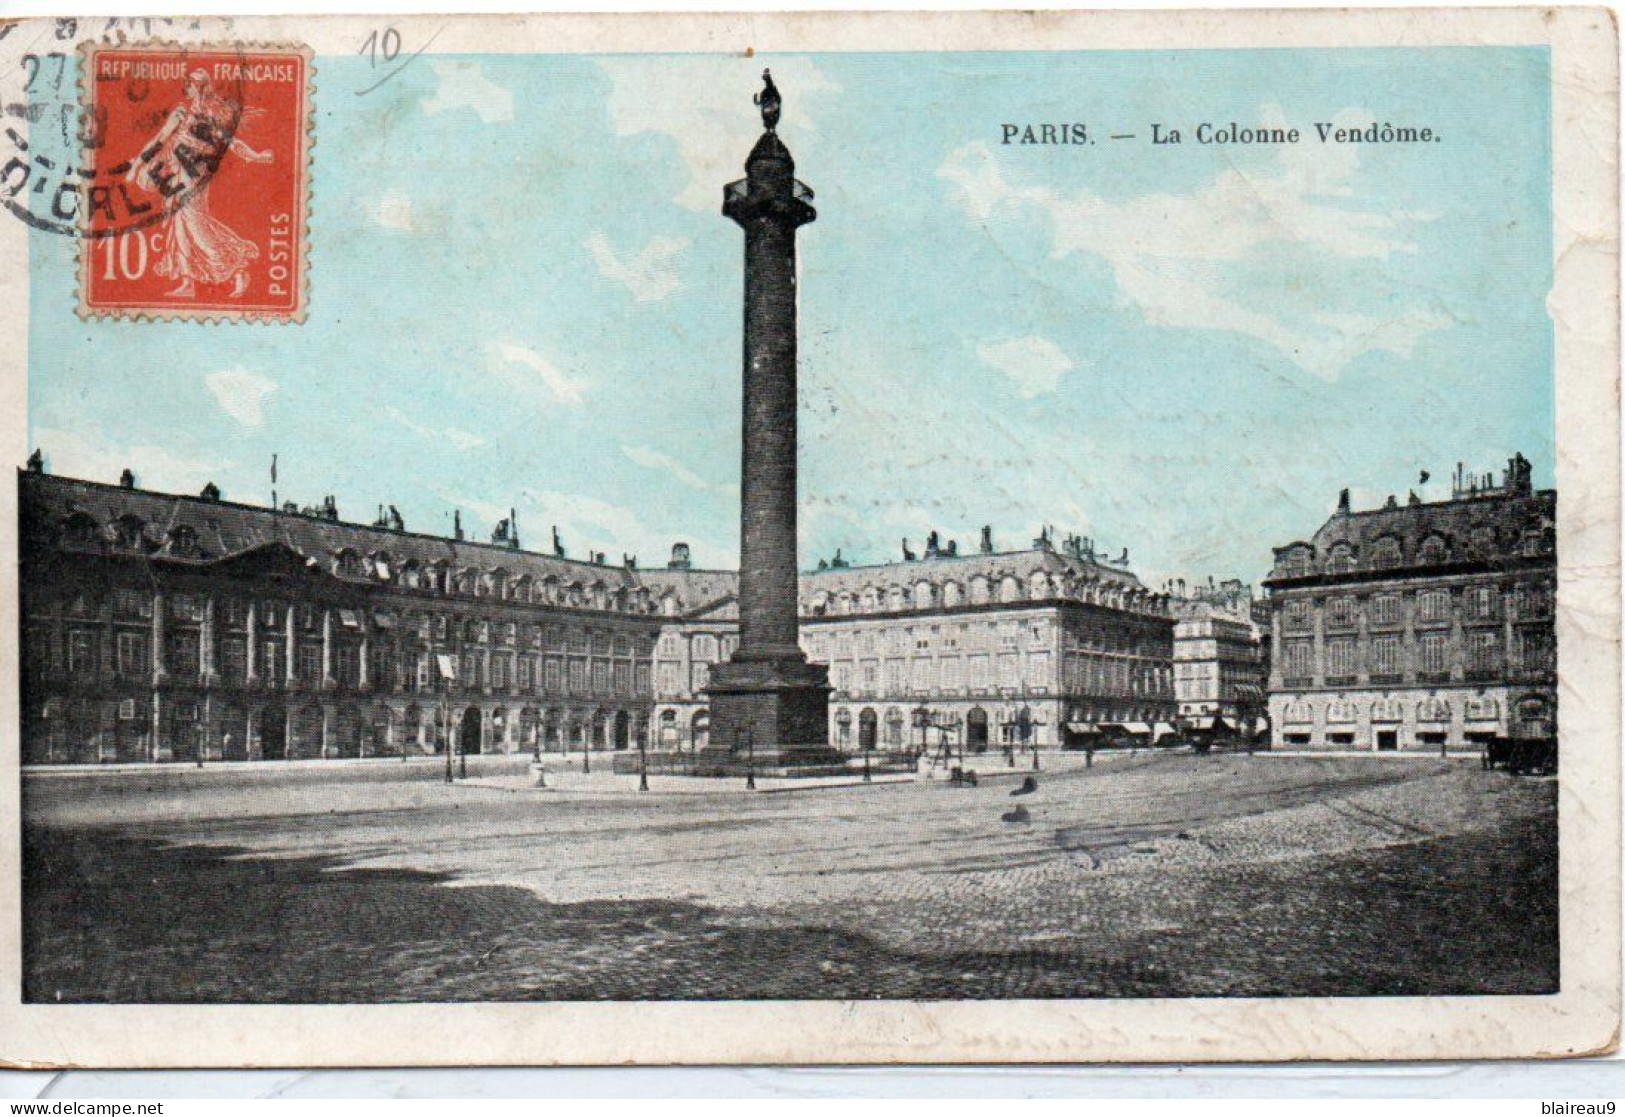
x=773, y=710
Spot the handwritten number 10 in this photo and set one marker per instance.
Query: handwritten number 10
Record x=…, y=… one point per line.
x=387, y=45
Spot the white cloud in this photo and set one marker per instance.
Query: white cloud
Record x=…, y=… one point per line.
x=533, y=368
x=393, y=211
x=651, y=275
x=654, y=459
x=240, y=393
x=460, y=439
x=463, y=85
x=1169, y=252
x=96, y=459
x=703, y=103
x=1036, y=364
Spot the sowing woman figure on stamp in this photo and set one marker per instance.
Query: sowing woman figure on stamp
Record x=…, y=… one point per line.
x=199, y=247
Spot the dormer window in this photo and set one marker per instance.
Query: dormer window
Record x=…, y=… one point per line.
x=80, y=530
x=131, y=534
x=348, y=564
x=1386, y=553
x=182, y=541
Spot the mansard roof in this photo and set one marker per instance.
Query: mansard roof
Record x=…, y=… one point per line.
x=1481, y=528
x=221, y=528
x=962, y=568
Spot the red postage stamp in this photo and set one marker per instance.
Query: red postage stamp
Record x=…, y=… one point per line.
x=198, y=161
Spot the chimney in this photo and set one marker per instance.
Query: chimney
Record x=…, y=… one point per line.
x=211, y=491
x=457, y=524
x=1343, y=503
x=36, y=461
x=330, y=508
x=987, y=539
x=126, y=480
x=679, y=557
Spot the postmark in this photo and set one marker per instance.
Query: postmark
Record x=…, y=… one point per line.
x=194, y=181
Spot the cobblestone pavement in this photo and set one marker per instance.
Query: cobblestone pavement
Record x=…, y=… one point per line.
x=1144, y=876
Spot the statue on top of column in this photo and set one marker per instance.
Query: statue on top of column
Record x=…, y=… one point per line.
x=768, y=100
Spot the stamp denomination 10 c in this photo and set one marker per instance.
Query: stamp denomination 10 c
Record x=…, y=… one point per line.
x=198, y=177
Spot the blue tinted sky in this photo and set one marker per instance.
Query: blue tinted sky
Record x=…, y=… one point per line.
x=523, y=293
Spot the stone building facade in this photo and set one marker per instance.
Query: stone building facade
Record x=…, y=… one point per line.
x=1219, y=675
x=162, y=627
x=1419, y=626
x=1021, y=648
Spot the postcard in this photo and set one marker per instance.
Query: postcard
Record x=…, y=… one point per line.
x=809, y=538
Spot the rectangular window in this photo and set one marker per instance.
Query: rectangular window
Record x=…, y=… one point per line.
x=894, y=676
x=523, y=680
x=1385, y=656
x=600, y=677
x=1538, y=652
x=623, y=679
x=640, y=679
x=920, y=675
x=1485, y=653
x=1296, y=615
x=82, y=653
x=1481, y=602
x=233, y=660
x=346, y=663
x=1038, y=672
x=181, y=653
x=1433, y=605
x=310, y=662
x=1300, y=659
x=1340, y=612
x=1385, y=609
x=666, y=677
x=425, y=679
x=1431, y=658
x=555, y=675
x=701, y=676
x=499, y=672
x=132, y=655
x=272, y=665
x=1009, y=670
x=1339, y=659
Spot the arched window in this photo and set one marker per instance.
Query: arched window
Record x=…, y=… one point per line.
x=1009, y=588
x=1038, y=585
x=952, y=595
x=347, y=563
x=668, y=604
x=896, y=599
x=410, y=574
x=925, y=595
x=1432, y=551
x=980, y=591
x=1340, y=559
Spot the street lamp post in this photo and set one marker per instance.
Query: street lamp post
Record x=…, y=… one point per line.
x=643, y=764
x=750, y=760
x=445, y=730
x=586, y=752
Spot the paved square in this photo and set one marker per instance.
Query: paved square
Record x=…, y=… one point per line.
x=1144, y=876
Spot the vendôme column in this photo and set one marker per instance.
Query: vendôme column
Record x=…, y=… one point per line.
x=767, y=699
